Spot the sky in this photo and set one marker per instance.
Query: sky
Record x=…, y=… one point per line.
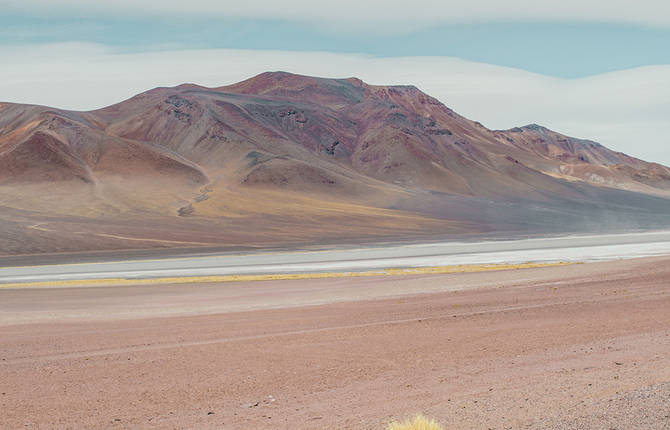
x=593, y=69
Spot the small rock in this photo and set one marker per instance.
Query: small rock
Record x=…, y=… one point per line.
x=187, y=210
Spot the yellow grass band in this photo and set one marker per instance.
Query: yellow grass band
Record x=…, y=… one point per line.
x=467, y=268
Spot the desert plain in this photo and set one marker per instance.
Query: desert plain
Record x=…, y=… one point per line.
x=302, y=172
x=563, y=347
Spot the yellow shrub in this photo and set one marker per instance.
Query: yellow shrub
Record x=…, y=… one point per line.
x=419, y=423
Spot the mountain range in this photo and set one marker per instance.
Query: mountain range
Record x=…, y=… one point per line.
x=289, y=160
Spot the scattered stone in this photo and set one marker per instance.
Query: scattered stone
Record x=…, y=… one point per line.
x=330, y=149
x=186, y=210
x=201, y=198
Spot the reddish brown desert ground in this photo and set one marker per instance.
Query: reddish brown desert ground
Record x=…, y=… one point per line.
x=579, y=346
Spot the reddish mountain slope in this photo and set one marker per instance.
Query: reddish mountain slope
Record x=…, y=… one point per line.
x=40, y=145
x=398, y=135
x=337, y=149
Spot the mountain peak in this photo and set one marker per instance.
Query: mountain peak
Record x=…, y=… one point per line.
x=535, y=127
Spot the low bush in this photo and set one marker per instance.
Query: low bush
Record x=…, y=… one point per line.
x=418, y=423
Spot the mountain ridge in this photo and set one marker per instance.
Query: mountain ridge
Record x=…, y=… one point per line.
x=200, y=158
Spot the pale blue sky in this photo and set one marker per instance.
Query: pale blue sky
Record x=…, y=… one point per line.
x=562, y=49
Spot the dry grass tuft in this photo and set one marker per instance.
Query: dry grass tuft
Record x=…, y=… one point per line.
x=418, y=423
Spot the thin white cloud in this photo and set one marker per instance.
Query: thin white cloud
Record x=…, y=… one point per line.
x=626, y=110
x=372, y=12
